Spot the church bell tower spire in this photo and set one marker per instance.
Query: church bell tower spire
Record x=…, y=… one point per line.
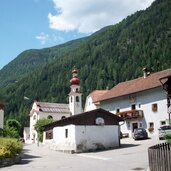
x=75, y=95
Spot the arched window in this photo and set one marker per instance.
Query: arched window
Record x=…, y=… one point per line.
x=63, y=117
x=34, y=117
x=50, y=117
x=77, y=99
x=71, y=99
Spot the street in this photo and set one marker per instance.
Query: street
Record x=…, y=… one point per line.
x=132, y=156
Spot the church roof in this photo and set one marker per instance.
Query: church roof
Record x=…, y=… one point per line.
x=86, y=118
x=136, y=85
x=53, y=107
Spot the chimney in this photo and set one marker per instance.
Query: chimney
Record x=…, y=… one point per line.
x=145, y=72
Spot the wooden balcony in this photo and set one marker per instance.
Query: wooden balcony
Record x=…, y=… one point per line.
x=131, y=114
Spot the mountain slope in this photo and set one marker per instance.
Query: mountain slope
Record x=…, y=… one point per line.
x=34, y=59
x=112, y=55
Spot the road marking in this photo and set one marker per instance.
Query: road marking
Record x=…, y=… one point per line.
x=94, y=157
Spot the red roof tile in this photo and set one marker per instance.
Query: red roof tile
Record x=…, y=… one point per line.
x=96, y=94
x=136, y=85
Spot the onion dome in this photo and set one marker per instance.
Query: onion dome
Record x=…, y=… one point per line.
x=74, y=80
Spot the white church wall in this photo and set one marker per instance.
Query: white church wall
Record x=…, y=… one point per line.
x=1, y=118
x=96, y=137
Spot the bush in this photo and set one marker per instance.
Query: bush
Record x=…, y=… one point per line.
x=168, y=138
x=10, y=147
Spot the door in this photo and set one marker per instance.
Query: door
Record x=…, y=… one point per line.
x=134, y=126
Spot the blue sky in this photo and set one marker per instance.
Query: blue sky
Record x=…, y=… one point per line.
x=35, y=24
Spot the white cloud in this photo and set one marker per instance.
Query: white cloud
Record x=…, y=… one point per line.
x=43, y=38
x=88, y=16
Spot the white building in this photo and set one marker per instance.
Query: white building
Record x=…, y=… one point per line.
x=2, y=115
x=89, y=131
x=92, y=100
x=56, y=111
x=141, y=102
x=92, y=130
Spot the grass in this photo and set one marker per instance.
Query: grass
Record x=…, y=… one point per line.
x=10, y=147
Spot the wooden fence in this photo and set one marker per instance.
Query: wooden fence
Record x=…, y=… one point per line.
x=160, y=157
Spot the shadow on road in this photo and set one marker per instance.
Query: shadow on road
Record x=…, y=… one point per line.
x=128, y=145
x=26, y=158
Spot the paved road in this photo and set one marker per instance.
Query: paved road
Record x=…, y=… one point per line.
x=132, y=156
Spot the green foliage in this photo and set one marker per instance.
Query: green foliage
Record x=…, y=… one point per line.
x=1, y=132
x=38, y=127
x=12, y=128
x=168, y=138
x=10, y=132
x=10, y=147
x=114, y=54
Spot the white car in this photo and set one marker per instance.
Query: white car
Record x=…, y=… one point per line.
x=163, y=131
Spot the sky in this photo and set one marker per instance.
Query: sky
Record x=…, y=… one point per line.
x=36, y=24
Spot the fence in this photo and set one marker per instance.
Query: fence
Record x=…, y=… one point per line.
x=160, y=157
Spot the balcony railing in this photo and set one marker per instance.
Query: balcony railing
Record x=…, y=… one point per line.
x=131, y=114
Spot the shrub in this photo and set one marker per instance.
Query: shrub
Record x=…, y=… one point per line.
x=168, y=138
x=10, y=147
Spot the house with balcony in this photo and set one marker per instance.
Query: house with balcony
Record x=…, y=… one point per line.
x=142, y=102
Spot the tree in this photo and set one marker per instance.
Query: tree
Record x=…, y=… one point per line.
x=39, y=129
x=12, y=128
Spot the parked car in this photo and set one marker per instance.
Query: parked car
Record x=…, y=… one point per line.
x=163, y=131
x=140, y=133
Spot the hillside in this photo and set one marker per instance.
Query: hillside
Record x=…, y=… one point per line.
x=34, y=59
x=112, y=55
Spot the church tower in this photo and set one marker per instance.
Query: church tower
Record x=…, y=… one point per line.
x=1, y=115
x=75, y=99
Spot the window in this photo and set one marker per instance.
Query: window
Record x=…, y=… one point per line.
x=133, y=107
x=117, y=110
x=162, y=122
x=76, y=89
x=66, y=133
x=71, y=99
x=50, y=117
x=151, y=127
x=139, y=105
x=77, y=99
x=151, y=124
x=140, y=125
x=49, y=135
x=34, y=117
x=63, y=117
x=154, y=107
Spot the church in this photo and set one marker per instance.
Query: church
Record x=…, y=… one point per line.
x=74, y=130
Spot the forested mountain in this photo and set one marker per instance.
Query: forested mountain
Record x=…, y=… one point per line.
x=114, y=54
x=34, y=59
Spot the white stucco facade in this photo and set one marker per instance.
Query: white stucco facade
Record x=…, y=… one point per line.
x=143, y=101
x=1, y=118
x=77, y=138
x=89, y=105
x=35, y=115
